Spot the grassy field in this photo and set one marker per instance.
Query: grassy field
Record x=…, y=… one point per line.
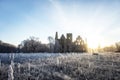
x=66, y=67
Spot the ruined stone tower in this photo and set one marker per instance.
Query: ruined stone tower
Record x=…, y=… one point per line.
x=69, y=42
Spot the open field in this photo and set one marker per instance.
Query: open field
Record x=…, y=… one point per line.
x=71, y=66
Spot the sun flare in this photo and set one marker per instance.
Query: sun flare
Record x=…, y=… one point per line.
x=95, y=43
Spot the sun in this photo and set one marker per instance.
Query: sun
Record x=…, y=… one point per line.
x=96, y=42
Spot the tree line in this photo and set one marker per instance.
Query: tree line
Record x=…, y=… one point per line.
x=33, y=45
x=111, y=48
x=30, y=45
x=7, y=48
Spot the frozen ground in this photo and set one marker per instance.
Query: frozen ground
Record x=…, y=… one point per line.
x=69, y=66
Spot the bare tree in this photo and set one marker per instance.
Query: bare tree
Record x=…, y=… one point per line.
x=32, y=45
x=118, y=46
x=57, y=46
x=51, y=43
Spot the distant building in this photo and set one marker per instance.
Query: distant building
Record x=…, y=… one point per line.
x=80, y=44
x=63, y=44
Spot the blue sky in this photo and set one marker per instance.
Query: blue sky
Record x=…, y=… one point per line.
x=96, y=20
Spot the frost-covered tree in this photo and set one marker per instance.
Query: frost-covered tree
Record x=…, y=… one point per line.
x=32, y=45
x=51, y=43
x=118, y=46
x=57, y=46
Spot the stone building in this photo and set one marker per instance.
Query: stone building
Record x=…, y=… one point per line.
x=66, y=44
x=80, y=45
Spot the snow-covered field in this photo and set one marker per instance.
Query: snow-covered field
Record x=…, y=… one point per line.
x=70, y=66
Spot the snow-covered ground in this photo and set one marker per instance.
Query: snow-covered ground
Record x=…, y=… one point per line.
x=70, y=66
